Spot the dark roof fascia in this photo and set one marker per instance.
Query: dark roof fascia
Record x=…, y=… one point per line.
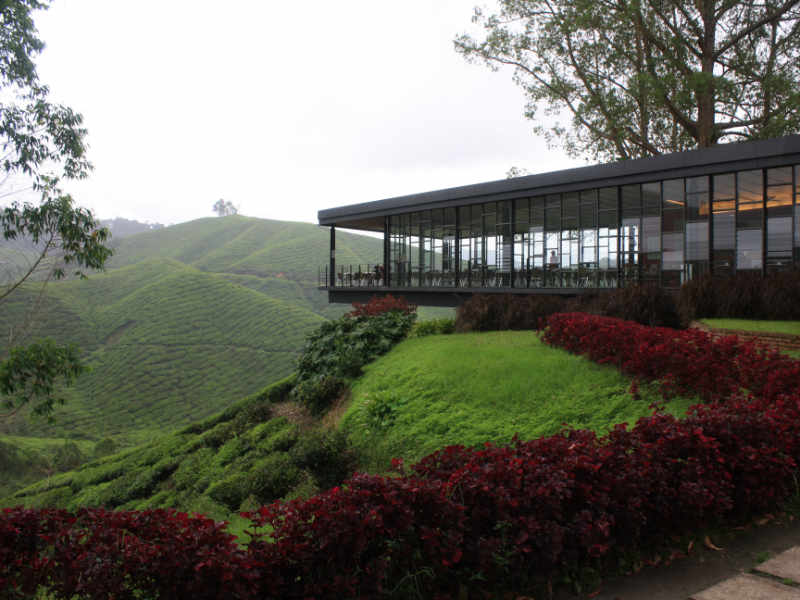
x=707, y=161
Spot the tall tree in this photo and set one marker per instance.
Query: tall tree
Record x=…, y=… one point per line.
x=645, y=77
x=42, y=143
x=224, y=208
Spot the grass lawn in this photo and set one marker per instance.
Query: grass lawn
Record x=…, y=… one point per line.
x=789, y=327
x=467, y=389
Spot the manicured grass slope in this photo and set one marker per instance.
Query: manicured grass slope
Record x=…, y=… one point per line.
x=472, y=388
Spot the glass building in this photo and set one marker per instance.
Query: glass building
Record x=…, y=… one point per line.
x=734, y=207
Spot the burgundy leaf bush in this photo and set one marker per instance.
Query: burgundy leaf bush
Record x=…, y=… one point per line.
x=684, y=362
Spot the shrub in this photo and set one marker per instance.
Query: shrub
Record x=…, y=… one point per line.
x=746, y=295
x=375, y=537
x=231, y=491
x=318, y=392
x=433, y=327
x=327, y=455
x=280, y=441
x=646, y=304
x=68, y=456
x=105, y=447
x=491, y=312
x=273, y=477
x=342, y=347
x=381, y=410
x=378, y=305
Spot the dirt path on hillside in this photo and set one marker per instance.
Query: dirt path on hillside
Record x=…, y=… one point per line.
x=294, y=413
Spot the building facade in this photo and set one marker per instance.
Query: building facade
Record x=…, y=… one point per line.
x=664, y=220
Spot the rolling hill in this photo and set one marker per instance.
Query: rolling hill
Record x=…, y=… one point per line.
x=185, y=320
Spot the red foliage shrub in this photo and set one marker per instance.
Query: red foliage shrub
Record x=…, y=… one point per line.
x=685, y=362
x=378, y=305
x=360, y=540
x=127, y=554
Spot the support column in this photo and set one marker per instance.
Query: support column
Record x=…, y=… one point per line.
x=332, y=267
x=386, y=251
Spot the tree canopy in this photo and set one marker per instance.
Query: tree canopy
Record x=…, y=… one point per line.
x=645, y=77
x=43, y=143
x=224, y=208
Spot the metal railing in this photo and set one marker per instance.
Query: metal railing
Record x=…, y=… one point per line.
x=347, y=276
x=372, y=275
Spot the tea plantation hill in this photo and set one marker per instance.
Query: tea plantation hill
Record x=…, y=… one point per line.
x=251, y=453
x=278, y=258
x=186, y=320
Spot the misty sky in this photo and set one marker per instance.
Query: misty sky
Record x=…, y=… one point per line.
x=282, y=108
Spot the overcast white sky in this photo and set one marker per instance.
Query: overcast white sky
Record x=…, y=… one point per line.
x=283, y=108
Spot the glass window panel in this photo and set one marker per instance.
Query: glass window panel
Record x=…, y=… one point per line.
x=697, y=208
x=651, y=231
x=748, y=249
x=631, y=201
x=489, y=217
x=521, y=216
x=651, y=198
x=673, y=221
x=450, y=217
x=553, y=213
x=674, y=196
x=779, y=237
x=724, y=186
x=724, y=222
x=504, y=211
x=779, y=200
x=673, y=251
x=607, y=198
x=779, y=219
x=782, y=175
x=695, y=185
x=724, y=231
x=589, y=246
x=751, y=200
x=797, y=207
x=697, y=241
x=569, y=211
x=537, y=212
x=588, y=210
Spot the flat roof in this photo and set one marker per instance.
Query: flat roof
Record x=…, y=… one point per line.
x=706, y=161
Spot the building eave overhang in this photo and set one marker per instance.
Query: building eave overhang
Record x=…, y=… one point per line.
x=707, y=161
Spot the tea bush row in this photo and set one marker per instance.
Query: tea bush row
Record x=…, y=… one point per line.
x=685, y=362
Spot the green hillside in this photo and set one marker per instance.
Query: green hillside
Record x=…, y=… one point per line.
x=167, y=344
x=425, y=393
x=185, y=320
x=249, y=246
